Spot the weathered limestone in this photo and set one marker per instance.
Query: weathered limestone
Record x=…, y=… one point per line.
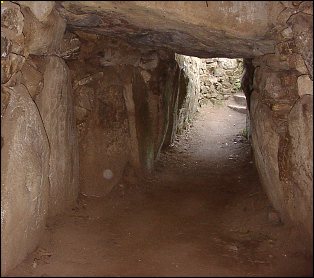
x=300, y=155
x=12, y=20
x=10, y=66
x=103, y=135
x=305, y=85
x=24, y=178
x=302, y=26
x=101, y=119
x=12, y=41
x=288, y=178
x=144, y=121
x=40, y=9
x=167, y=105
x=36, y=29
x=218, y=86
x=130, y=106
x=131, y=87
x=70, y=46
x=43, y=37
x=171, y=99
x=282, y=136
x=265, y=143
x=189, y=90
x=56, y=109
x=247, y=80
x=32, y=79
x=202, y=29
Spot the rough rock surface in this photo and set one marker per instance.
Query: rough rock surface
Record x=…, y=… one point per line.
x=29, y=28
x=300, y=155
x=69, y=47
x=12, y=20
x=12, y=41
x=220, y=78
x=32, y=78
x=121, y=106
x=43, y=38
x=10, y=66
x=282, y=134
x=101, y=118
x=266, y=146
x=40, y=9
x=200, y=28
x=189, y=90
x=56, y=109
x=24, y=178
x=302, y=27
x=103, y=133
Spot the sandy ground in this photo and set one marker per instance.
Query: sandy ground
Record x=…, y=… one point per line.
x=202, y=213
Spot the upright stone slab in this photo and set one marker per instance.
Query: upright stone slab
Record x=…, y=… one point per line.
x=300, y=198
x=24, y=178
x=56, y=108
x=265, y=142
x=104, y=138
x=42, y=37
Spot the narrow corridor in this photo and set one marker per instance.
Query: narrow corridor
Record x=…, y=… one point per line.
x=202, y=213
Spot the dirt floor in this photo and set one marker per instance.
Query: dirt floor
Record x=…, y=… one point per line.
x=202, y=213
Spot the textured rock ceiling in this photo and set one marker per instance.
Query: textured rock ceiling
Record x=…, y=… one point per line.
x=196, y=28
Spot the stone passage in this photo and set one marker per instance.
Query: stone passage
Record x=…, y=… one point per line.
x=91, y=92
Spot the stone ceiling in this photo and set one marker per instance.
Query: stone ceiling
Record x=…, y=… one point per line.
x=196, y=28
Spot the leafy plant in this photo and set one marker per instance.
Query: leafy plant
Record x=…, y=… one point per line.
x=237, y=85
x=244, y=133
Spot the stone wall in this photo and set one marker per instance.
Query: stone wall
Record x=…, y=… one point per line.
x=282, y=117
x=101, y=119
x=128, y=104
x=39, y=154
x=55, y=105
x=189, y=90
x=220, y=78
x=122, y=99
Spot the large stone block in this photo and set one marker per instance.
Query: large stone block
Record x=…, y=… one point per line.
x=12, y=41
x=271, y=85
x=189, y=90
x=24, y=178
x=300, y=201
x=302, y=26
x=10, y=65
x=31, y=78
x=40, y=9
x=104, y=140
x=299, y=64
x=43, y=38
x=285, y=161
x=265, y=143
x=12, y=20
x=231, y=28
x=102, y=161
x=56, y=108
x=305, y=85
x=102, y=121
